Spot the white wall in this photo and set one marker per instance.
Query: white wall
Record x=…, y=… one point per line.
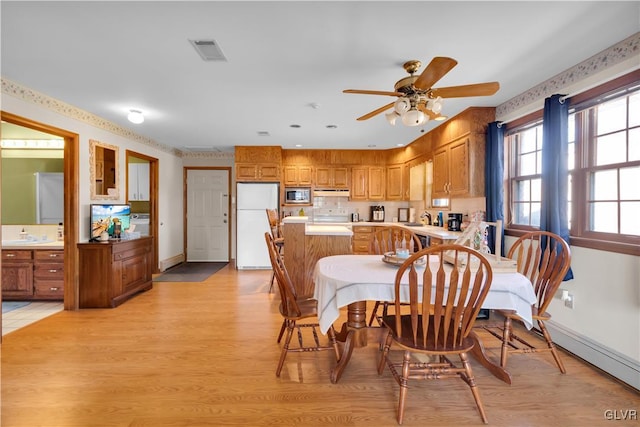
x=170, y=237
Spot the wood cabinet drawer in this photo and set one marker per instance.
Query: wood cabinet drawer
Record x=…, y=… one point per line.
x=45, y=255
x=362, y=236
x=49, y=271
x=363, y=228
x=361, y=247
x=53, y=289
x=12, y=255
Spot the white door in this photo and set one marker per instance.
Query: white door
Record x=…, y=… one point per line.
x=207, y=215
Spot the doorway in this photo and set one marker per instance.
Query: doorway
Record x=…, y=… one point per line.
x=207, y=214
x=70, y=200
x=142, y=192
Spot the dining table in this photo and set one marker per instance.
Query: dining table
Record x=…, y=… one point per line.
x=352, y=280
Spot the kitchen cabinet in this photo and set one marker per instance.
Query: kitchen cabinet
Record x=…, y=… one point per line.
x=258, y=172
x=297, y=175
x=258, y=164
x=112, y=272
x=48, y=274
x=368, y=183
x=139, y=181
x=361, y=238
x=452, y=167
x=330, y=177
x=397, y=182
x=17, y=274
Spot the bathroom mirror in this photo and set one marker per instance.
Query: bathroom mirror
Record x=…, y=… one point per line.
x=104, y=171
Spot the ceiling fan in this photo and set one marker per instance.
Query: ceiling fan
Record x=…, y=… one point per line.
x=418, y=101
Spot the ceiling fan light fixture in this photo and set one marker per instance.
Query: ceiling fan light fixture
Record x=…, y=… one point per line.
x=392, y=117
x=135, y=116
x=402, y=105
x=414, y=118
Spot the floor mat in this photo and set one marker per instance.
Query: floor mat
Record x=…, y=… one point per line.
x=8, y=306
x=190, y=272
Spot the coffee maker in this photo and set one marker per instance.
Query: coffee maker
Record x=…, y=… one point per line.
x=454, y=222
x=377, y=213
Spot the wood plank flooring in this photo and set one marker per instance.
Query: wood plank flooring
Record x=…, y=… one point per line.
x=205, y=354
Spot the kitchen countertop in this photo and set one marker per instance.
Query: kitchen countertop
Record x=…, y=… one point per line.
x=327, y=230
x=34, y=244
x=423, y=230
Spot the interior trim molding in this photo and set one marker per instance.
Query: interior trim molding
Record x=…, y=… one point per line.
x=24, y=93
x=624, y=51
x=610, y=361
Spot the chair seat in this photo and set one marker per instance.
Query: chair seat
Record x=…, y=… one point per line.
x=407, y=342
x=308, y=308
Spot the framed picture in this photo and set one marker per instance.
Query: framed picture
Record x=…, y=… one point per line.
x=403, y=214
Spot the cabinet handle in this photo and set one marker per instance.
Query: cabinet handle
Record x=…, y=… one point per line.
x=53, y=255
x=53, y=271
x=10, y=255
x=53, y=289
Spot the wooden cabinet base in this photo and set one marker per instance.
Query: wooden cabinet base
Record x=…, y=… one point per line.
x=114, y=271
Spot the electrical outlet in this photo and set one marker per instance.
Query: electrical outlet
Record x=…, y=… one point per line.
x=568, y=302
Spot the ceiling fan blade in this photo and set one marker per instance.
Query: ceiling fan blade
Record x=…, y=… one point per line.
x=478, y=89
x=372, y=92
x=431, y=114
x=376, y=112
x=437, y=68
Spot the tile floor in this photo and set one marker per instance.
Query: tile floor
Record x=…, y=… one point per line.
x=33, y=312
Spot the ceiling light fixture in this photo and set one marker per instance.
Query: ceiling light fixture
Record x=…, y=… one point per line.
x=415, y=109
x=135, y=116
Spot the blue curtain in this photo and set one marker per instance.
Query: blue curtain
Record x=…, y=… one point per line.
x=493, y=172
x=555, y=147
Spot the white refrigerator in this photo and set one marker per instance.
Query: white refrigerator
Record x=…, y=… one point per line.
x=252, y=201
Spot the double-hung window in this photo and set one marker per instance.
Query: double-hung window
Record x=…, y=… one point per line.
x=604, y=169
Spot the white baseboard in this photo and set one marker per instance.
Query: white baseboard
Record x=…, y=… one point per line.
x=170, y=262
x=610, y=361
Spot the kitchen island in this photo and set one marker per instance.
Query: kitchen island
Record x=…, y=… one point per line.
x=306, y=243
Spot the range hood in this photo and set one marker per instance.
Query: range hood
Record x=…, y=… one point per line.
x=331, y=193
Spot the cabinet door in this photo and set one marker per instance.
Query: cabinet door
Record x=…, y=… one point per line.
x=290, y=175
x=376, y=183
x=441, y=173
x=143, y=181
x=359, y=183
x=323, y=177
x=246, y=172
x=17, y=279
x=341, y=177
x=459, y=168
x=395, y=189
x=269, y=173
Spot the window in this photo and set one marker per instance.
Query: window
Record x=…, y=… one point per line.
x=604, y=169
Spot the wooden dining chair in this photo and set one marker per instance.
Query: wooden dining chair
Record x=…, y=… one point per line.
x=276, y=233
x=294, y=310
x=440, y=318
x=544, y=258
x=387, y=239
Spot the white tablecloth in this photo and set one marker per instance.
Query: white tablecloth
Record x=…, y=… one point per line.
x=343, y=279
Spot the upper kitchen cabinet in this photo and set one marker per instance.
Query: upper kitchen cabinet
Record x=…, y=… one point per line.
x=397, y=182
x=328, y=177
x=297, y=176
x=138, y=181
x=258, y=163
x=458, y=169
x=368, y=183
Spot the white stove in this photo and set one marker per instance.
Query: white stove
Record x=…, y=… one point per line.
x=331, y=215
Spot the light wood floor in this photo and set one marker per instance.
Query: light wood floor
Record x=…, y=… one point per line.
x=204, y=354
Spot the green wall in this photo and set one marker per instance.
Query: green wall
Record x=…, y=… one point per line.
x=19, y=187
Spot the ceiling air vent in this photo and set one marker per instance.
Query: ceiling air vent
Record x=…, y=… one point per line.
x=209, y=50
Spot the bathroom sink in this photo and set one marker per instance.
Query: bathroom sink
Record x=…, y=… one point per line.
x=24, y=242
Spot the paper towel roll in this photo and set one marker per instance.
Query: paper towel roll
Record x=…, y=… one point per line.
x=412, y=215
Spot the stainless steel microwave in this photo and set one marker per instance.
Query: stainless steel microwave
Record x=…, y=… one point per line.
x=297, y=195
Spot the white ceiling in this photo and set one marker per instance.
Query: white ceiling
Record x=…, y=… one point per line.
x=108, y=57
